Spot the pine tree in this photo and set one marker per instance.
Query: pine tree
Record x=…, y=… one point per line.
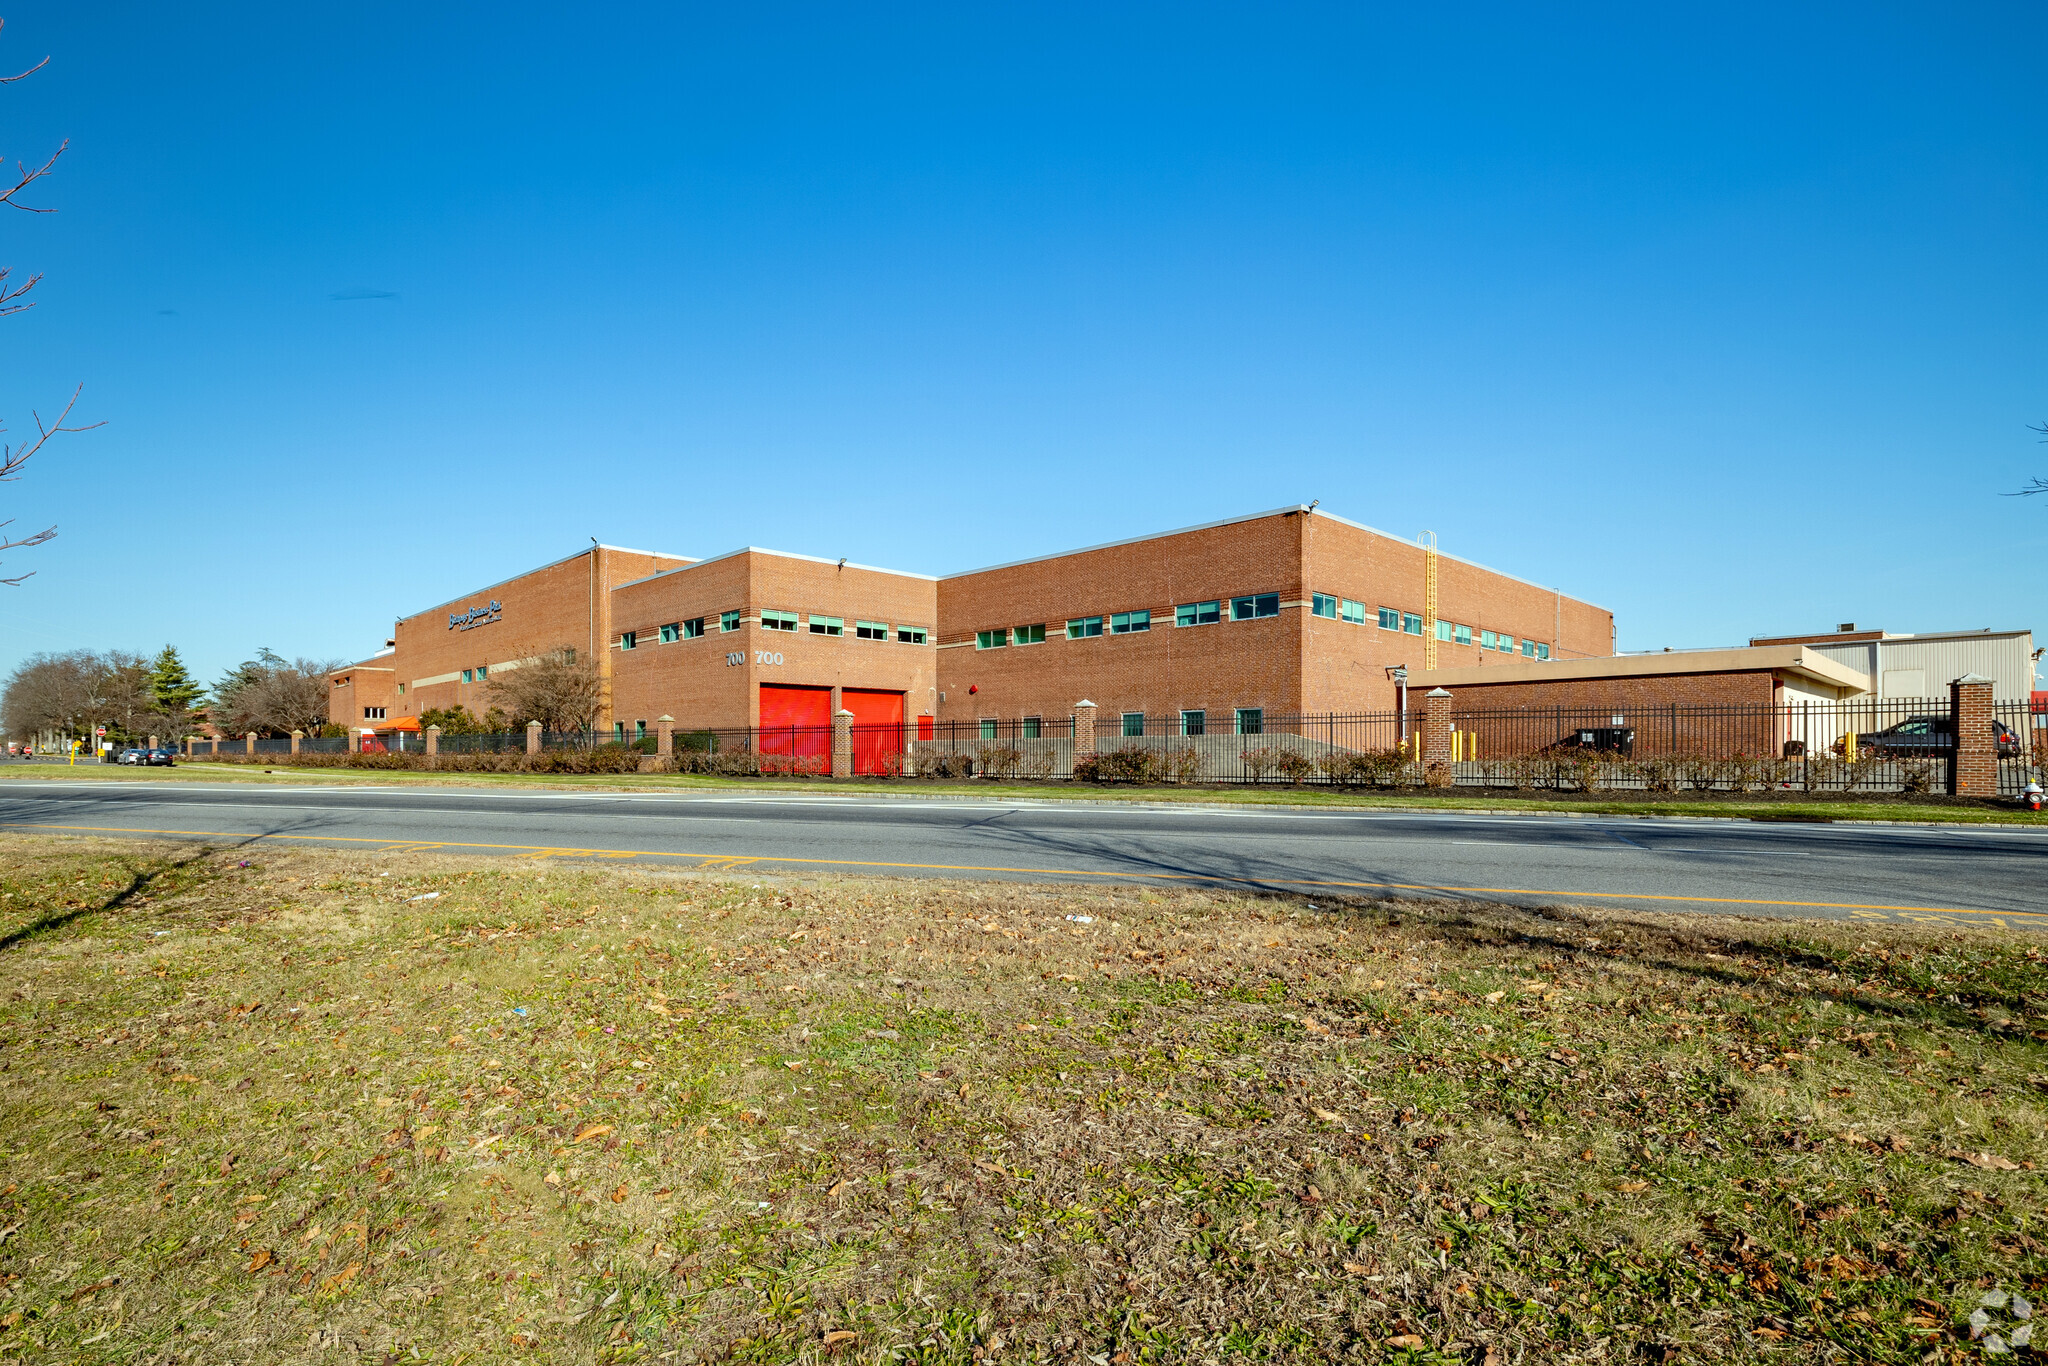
x=175, y=690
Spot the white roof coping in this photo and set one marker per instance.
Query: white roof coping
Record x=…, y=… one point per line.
x=460, y=597
x=780, y=555
x=1304, y=508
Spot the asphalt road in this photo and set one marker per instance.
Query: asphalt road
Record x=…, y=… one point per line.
x=1848, y=871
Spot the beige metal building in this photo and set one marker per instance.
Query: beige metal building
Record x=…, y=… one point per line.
x=1902, y=665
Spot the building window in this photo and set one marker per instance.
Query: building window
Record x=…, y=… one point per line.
x=619, y=731
x=401, y=690
x=483, y=671
x=693, y=628
x=671, y=633
x=1462, y=635
x=1543, y=652
x=1489, y=641
x=992, y=640
x=728, y=621
x=1507, y=645
x=1354, y=612
x=989, y=726
x=469, y=675
x=1390, y=618
x=373, y=713
x=1411, y=624
x=778, y=621
x=1323, y=605
x=1259, y=605
x=1443, y=630
x=629, y=640
x=1194, y=723
x=1126, y=623
x=1083, y=628
x=910, y=635
x=1031, y=729
x=1134, y=723
x=870, y=630
x=1251, y=720
x=639, y=730
x=1030, y=635
x=827, y=626
x=1198, y=613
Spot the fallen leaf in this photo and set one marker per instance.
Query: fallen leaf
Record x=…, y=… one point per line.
x=1493, y=1357
x=838, y=1335
x=619, y=1195
x=552, y=1179
x=342, y=1277
x=263, y=1258
x=1405, y=1340
x=1329, y=1116
x=1354, y=1269
x=796, y=1066
x=591, y=1131
x=1631, y=1187
x=95, y=1287
x=1991, y=1162
x=838, y=1189
x=1312, y=1027
x=1494, y=998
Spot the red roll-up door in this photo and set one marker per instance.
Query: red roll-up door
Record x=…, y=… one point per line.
x=877, y=727
x=797, y=721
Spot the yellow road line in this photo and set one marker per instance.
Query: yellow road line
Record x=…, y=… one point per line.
x=715, y=862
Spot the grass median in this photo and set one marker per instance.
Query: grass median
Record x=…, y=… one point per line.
x=287, y=1105
x=1782, y=806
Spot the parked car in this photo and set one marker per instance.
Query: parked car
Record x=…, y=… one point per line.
x=1926, y=737
x=135, y=755
x=1619, y=740
x=160, y=758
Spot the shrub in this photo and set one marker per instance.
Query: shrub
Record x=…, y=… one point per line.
x=1658, y=775
x=999, y=761
x=1131, y=764
x=1258, y=762
x=604, y=759
x=1183, y=765
x=1294, y=766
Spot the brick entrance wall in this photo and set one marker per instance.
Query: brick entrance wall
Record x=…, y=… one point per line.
x=1975, y=770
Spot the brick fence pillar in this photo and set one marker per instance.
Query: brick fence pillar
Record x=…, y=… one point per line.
x=665, y=736
x=1973, y=771
x=1084, y=728
x=297, y=736
x=433, y=741
x=153, y=742
x=842, y=743
x=249, y=743
x=533, y=737
x=1436, y=738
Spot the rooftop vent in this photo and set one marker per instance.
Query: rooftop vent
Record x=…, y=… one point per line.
x=1846, y=626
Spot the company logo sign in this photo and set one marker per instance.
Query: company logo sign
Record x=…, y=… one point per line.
x=475, y=616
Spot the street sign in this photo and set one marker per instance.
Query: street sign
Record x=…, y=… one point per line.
x=99, y=730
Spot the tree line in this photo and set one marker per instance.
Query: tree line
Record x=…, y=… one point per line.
x=77, y=691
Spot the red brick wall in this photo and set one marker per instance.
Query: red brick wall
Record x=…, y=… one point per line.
x=1552, y=708
x=564, y=604
x=1297, y=662
x=691, y=679
x=1219, y=667
x=1346, y=665
x=359, y=686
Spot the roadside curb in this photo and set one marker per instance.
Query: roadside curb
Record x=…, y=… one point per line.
x=381, y=781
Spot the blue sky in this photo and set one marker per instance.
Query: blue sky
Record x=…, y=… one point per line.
x=1729, y=319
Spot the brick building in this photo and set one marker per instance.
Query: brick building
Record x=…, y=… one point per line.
x=1207, y=628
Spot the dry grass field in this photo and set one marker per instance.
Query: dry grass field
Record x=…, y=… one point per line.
x=277, y=1106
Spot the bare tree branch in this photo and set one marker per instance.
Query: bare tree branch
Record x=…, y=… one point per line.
x=24, y=177
x=10, y=80
x=2038, y=485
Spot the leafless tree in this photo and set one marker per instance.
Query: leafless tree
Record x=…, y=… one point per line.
x=77, y=691
x=558, y=690
x=14, y=455
x=273, y=696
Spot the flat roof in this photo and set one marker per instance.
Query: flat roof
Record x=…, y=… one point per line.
x=623, y=550
x=1307, y=509
x=1866, y=637
x=1798, y=659
x=780, y=555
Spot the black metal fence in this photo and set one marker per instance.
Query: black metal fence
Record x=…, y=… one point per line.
x=1901, y=745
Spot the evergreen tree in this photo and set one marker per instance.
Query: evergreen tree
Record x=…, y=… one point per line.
x=175, y=690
